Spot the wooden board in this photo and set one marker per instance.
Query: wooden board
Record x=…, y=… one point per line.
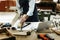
x=5, y=34
x=8, y=17
x=33, y=36
x=19, y=32
x=57, y=31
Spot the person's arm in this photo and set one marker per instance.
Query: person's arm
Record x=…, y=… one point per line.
x=31, y=7
x=30, y=11
x=19, y=10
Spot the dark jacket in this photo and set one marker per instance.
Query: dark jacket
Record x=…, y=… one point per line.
x=25, y=5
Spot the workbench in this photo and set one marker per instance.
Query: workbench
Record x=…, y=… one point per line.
x=8, y=17
x=33, y=35
x=32, y=26
x=54, y=35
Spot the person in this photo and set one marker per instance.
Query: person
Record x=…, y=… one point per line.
x=27, y=10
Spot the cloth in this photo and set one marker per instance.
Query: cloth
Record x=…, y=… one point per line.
x=28, y=7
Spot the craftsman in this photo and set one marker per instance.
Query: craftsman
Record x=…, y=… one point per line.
x=27, y=9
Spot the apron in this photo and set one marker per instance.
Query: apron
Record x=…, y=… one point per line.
x=25, y=5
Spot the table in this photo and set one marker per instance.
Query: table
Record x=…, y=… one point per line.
x=54, y=35
x=8, y=17
x=33, y=35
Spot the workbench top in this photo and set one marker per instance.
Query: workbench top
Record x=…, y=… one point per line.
x=54, y=35
x=33, y=35
x=8, y=17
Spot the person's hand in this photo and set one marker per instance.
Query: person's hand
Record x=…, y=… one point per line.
x=23, y=18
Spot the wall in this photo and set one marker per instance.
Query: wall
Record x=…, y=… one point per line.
x=5, y=4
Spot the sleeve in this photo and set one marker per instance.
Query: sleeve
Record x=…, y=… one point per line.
x=31, y=7
x=19, y=10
